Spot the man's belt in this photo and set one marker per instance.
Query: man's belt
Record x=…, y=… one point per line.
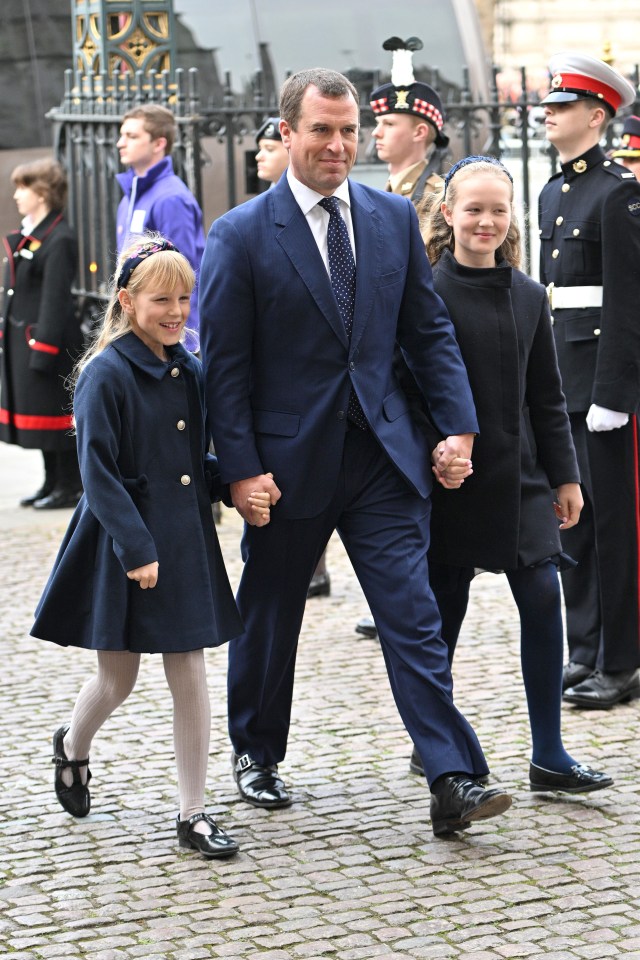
x=572, y=298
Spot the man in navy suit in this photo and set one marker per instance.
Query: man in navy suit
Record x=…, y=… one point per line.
x=305, y=404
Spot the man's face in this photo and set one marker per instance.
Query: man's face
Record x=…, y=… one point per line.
x=396, y=136
x=631, y=163
x=136, y=147
x=568, y=123
x=323, y=148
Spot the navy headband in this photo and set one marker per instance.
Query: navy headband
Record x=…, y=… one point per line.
x=465, y=163
x=142, y=253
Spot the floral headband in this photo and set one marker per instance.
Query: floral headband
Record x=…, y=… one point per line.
x=142, y=253
x=465, y=163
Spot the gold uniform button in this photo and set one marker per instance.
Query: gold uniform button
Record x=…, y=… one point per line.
x=597, y=331
x=180, y=424
x=555, y=254
x=175, y=372
x=559, y=220
x=566, y=187
x=576, y=232
x=185, y=479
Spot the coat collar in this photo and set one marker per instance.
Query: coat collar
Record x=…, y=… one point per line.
x=586, y=161
x=147, y=180
x=297, y=241
x=497, y=277
x=139, y=354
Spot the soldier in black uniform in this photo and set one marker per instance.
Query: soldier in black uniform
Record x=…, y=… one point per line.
x=628, y=153
x=589, y=218
x=409, y=138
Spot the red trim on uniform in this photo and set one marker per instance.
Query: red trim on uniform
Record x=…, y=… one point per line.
x=24, y=422
x=43, y=347
x=636, y=476
x=575, y=82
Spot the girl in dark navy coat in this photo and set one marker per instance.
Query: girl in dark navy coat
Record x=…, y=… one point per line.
x=140, y=568
x=504, y=518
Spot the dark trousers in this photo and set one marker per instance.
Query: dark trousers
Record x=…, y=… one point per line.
x=384, y=528
x=602, y=594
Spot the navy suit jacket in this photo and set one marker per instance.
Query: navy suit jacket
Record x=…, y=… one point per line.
x=279, y=366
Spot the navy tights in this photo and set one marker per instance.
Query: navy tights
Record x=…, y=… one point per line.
x=536, y=591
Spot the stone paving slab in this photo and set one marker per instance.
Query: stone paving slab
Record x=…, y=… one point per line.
x=350, y=871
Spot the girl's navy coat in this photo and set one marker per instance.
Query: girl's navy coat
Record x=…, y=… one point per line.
x=148, y=484
x=502, y=517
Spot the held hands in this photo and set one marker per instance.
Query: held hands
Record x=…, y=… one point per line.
x=600, y=418
x=146, y=576
x=569, y=504
x=451, y=461
x=253, y=498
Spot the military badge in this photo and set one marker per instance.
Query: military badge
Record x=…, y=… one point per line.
x=579, y=166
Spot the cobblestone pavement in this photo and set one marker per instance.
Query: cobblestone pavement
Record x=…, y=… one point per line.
x=351, y=870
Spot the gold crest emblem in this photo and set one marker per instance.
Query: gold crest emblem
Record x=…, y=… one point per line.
x=34, y=245
x=401, y=100
x=579, y=166
x=557, y=80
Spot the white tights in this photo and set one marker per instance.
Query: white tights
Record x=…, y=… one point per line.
x=114, y=681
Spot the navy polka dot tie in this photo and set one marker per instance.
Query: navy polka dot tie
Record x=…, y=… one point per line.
x=342, y=269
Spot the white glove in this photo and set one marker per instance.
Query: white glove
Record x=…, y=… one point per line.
x=599, y=418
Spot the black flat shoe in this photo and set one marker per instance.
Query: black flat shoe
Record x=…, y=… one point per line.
x=460, y=801
x=58, y=500
x=75, y=799
x=580, y=779
x=320, y=586
x=367, y=628
x=259, y=785
x=214, y=845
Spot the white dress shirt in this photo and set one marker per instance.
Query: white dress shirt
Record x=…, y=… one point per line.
x=317, y=217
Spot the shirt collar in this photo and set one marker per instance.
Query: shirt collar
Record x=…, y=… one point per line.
x=307, y=199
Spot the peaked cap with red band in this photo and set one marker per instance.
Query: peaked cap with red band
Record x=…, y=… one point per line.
x=630, y=142
x=575, y=76
x=405, y=94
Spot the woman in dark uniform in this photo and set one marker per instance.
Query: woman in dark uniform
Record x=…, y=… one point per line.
x=40, y=332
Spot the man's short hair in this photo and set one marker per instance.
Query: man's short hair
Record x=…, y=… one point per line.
x=157, y=121
x=330, y=83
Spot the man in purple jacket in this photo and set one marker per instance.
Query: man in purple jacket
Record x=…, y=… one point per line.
x=154, y=197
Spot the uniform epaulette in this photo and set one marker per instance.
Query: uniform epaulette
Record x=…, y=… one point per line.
x=618, y=171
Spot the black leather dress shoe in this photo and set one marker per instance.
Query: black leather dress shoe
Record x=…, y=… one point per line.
x=214, y=845
x=415, y=766
x=58, y=500
x=258, y=785
x=574, y=673
x=601, y=691
x=75, y=799
x=367, y=628
x=460, y=801
x=320, y=586
x=581, y=779
x=44, y=491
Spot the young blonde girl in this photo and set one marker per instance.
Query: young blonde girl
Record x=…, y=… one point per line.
x=503, y=517
x=140, y=568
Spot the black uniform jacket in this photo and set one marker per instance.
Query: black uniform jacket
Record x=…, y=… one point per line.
x=148, y=482
x=40, y=335
x=589, y=218
x=502, y=517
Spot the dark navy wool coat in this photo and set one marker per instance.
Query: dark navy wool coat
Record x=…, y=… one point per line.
x=502, y=517
x=148, y=483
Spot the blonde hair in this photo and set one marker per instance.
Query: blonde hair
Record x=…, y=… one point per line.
x=165, y=269
x=438, y=235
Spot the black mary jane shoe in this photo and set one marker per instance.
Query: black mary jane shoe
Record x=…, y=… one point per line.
x=460, y=801
x=75, y=799
x=580, y=779
x=259, y=785
x=214, y=845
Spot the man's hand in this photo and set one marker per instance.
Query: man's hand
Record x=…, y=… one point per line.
x=569, y=504
x=600, y=419
x=452, y=460
x=242, y=492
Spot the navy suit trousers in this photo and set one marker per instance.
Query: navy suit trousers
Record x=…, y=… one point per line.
x=385, y=529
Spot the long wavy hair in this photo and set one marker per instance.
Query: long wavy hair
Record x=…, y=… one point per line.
x=164, y=270
x=438, y=235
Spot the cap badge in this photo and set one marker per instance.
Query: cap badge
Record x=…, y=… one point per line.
x=626, y=138
x=401, y=101
x=557, y=80
x=579, y=166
